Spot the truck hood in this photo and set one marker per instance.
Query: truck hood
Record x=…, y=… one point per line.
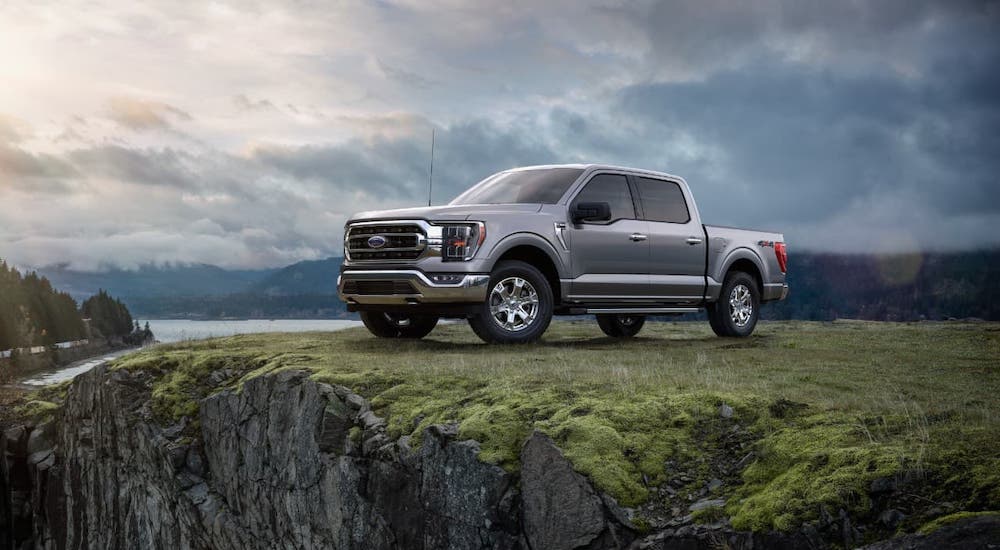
x=444, y=213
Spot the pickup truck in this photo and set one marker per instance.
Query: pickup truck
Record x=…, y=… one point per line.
x=529, y=243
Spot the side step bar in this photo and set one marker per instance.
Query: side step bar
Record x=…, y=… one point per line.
x=649, y=310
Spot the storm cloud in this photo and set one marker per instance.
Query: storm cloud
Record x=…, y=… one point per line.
x=244, y=137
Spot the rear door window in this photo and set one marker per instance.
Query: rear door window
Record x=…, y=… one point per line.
x=662, y=201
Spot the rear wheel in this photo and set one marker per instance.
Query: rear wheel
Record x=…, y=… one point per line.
x=398, y=325
x=620, y=325
x=518, y=307
x=736, y=311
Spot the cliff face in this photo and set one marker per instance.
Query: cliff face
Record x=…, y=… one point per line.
x=291, y=463
x=287, y=462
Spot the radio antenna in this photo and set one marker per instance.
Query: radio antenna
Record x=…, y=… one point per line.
x=430, y=177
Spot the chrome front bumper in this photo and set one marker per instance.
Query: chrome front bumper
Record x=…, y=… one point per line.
x=471, y=288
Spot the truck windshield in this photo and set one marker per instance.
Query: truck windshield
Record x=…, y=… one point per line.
x=544, y=185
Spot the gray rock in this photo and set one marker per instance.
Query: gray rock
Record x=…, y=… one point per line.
x=882, y=485
x=194, y=462
x=707, y=503
x=974, y=532
x=335, y=426
x=714, y=485
x=725, y=411
x=268, y=471
x=41, y=437
x=744, y=462
x=561, y=509
x=370, y=421
x=222, y=375
x=891, y=518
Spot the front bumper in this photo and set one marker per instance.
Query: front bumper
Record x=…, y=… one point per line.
x=400, y=287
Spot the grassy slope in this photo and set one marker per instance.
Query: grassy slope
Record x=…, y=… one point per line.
x=831, y=407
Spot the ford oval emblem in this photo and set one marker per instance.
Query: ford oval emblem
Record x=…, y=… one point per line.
x=376, y=241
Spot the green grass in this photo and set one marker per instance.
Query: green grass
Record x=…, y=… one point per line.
x=831, y=406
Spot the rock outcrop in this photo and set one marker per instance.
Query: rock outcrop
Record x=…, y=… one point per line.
x=288, y=462
x=285, y=463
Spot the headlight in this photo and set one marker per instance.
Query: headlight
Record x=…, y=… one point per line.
x=460, y=241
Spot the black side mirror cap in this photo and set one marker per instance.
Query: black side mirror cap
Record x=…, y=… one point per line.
x=591, y=212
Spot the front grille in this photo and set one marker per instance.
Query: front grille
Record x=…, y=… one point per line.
x=401, y=241
x=391, y=241
x=378, y=288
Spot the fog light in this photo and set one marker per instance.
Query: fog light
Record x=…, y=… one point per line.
x=447, y=279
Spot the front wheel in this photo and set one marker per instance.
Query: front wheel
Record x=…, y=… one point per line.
x=620, y=325
x=518, y=307
x=736, y=311
x=398, y=325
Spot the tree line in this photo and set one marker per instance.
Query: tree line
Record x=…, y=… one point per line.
x=32, y=313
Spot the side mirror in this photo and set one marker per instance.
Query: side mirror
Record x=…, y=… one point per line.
x=591, y=212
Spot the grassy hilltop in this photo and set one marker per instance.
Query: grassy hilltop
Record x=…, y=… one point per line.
x=801, y=420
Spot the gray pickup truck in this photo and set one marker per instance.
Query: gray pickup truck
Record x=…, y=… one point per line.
x=526, y=244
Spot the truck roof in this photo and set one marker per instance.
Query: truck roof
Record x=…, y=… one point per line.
x=598, y=167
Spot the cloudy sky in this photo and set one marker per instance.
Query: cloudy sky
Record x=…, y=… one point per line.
x=243, y=134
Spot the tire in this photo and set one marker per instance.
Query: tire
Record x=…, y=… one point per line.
x=736, y=311
x=398, y=325
x=620, y=325
x=496, y=323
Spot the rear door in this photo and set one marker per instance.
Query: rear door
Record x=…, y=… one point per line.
x=610, y=259
x=676, y=242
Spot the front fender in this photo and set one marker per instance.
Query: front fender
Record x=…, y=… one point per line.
x=527, y=239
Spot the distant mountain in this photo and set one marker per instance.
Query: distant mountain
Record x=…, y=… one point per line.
x=155, y=281
x=309, y=277
x=901, y=287
x=897, y=287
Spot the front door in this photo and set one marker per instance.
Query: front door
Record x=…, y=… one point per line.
x=676, y=243
x=609, y=258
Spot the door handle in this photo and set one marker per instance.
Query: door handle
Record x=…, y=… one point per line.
x=693, y=240
x=637, y=237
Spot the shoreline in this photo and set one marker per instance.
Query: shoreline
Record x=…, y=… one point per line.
x=16, y=375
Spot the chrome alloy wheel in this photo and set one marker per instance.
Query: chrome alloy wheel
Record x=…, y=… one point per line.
x=740, y=305
x=400, y=321
x=514, y=304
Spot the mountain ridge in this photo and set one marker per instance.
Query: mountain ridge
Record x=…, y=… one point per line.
x=824, y=286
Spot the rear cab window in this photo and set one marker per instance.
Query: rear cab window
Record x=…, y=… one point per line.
x=662, y=200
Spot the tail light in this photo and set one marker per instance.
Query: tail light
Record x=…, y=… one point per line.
x=781, y=253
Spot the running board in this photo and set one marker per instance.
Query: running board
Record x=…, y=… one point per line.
x=649, y=310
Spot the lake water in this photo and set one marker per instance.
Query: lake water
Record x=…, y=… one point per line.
x=174, y=330
x=178, y=330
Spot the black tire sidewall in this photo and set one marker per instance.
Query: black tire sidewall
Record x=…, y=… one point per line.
x=612, y=326
x=486, y=328
x=722, y=308
x=377, y=323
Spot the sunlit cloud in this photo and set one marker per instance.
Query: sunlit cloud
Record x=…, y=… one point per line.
x=243, y=134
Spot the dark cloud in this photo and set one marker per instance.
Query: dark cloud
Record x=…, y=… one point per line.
x=398, y=168
x=163, y=167
x=799, y=142
x=31, y=171
x=244, y=103
x=408, y=78
x=847, y=125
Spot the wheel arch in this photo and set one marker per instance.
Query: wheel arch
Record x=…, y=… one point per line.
x=746, y=260
x=532, y=249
